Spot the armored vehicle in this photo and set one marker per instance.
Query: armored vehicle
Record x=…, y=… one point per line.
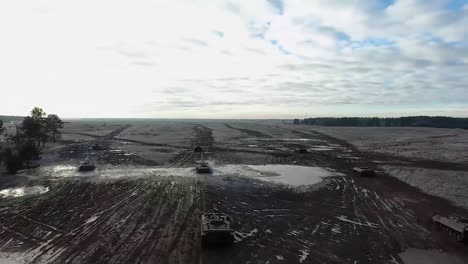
x=216, y=229
x=364, y=171
x=456, y=227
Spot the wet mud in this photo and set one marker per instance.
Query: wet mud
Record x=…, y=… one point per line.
x=156, y=219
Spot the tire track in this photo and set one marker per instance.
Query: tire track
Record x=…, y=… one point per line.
x=250, y=132
x=203, y=137
x=141, y=221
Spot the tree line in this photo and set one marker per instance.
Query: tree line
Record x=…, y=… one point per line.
x=27, y=142
x=406, y=121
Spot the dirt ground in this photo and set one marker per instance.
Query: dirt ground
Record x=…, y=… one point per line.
x=126, y=213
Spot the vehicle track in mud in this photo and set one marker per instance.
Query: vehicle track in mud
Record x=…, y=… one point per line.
x=203, y=137
x=344, y=219
x=371, y=156
x=107, y=155
x=348, y=220
x=342, y=222
x=108, y=136
x=143, y=221
x=250, y=132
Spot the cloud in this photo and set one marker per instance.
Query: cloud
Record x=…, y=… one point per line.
x=271, y=58
x=278, y=5
x=197, y=42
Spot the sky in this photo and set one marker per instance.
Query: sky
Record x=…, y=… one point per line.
x=234, y=59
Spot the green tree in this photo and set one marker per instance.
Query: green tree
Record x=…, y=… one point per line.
x=2, y=129
x=12, y=160
x=33, y=133
x=37, y=113
x=39, y=116
x=53, y=124
x=32, y=129
x=28, y=151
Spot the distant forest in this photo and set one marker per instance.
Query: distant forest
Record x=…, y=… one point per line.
x=406, y=121
x=7, y=119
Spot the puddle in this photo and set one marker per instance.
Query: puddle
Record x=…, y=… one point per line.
x=420, y=256
x=281, y=139
x=347, y=157
x=284, y=174
x=322, y=148
x=91, y=219
x=146, y=172
x=111, y=172
x=22, y=191
x=116, y=150
x=297, y=139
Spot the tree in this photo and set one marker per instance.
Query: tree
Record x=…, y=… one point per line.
x=13, y=162
x=53, y=124
x=37, y=113
x=28, y=151
x=32, y=129
x=2, y=129
x=35, y=126
x=33, y=132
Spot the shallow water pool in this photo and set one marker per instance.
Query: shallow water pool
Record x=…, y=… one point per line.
x=285, y=174
x=23, y=191
x=293, y=175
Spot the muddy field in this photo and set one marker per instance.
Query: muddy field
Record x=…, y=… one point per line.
x=437, y=156
x=144, y=201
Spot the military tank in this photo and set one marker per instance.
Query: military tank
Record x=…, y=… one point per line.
x=456, y=227
x=364, y=171
x=97, y=147
x=301, y=150
x=87, y=165
x=198, y=149
x=203, y=166
x=216, y=229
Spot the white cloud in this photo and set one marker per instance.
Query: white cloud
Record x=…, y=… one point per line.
x=214, y=58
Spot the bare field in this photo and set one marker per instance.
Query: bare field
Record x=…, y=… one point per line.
x=440, y=144
x=431, y=159
x=144, y=201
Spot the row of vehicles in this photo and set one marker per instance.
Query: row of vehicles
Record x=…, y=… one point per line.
x=216, y=227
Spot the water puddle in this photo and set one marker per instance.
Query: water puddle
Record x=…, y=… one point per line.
x=111, y=172
x=322, y=148
x=91, y=219
x=281, y=139
x=22, y=191
x=116, y=150
x=284, y=174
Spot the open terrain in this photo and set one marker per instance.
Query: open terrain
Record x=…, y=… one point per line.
x=433, y=160
x=144, y=201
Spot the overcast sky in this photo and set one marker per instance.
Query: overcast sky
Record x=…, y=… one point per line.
x=234, y=59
